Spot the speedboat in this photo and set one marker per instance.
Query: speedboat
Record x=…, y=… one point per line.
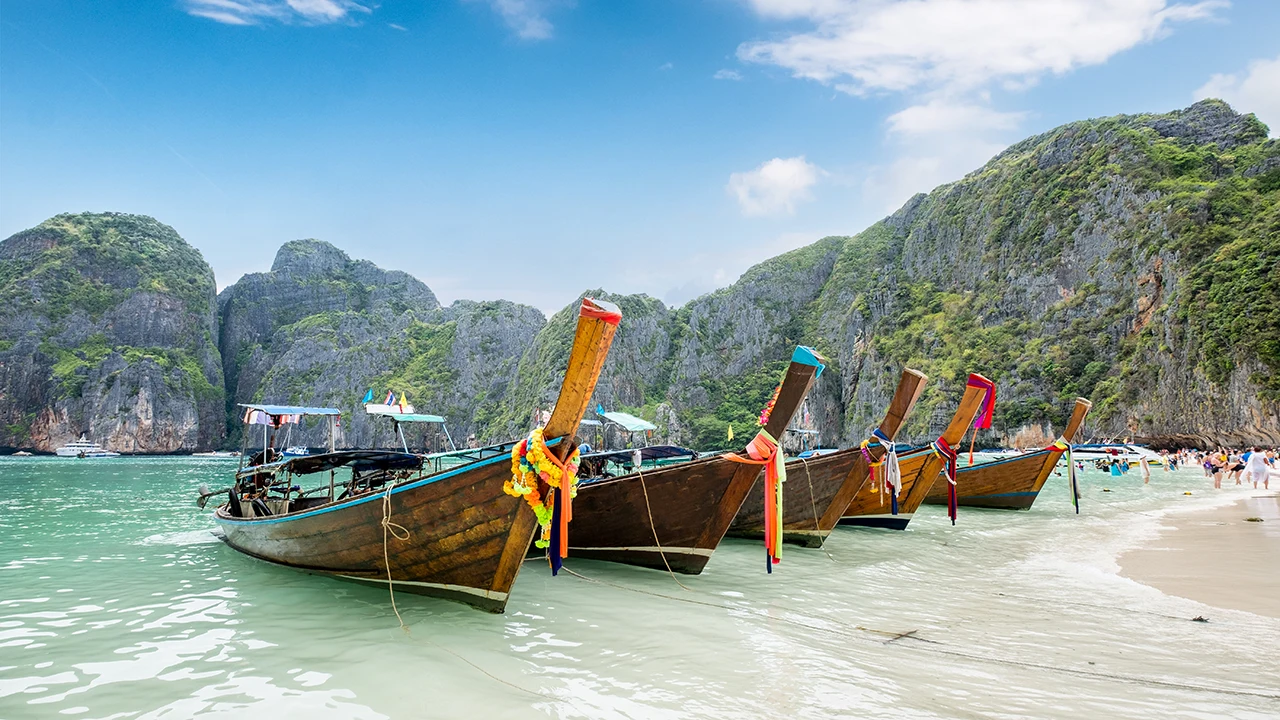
x=294, y=451
x=84, y=448
x=1125, y=452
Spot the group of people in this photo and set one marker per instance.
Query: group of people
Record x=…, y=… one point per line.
x=1253, y=464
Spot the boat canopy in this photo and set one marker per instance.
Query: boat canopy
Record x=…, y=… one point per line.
x=411, y=417
x=630, y=423
x=361, y=460
x=292, y=409
x=653, y=452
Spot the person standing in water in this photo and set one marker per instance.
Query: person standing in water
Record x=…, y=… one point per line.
x=1258, y=469
x=1145, y=467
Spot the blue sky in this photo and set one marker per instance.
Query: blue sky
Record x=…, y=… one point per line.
x=531, y=149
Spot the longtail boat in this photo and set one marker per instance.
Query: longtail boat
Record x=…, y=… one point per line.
x=675, y=516
x=453, y=533
x=919, y=467
x=818, y=490
x=1012, y=483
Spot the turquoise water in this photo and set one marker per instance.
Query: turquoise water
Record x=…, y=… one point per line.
x=116, y=601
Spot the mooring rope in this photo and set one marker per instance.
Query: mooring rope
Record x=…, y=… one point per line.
x=654, y=528
x=813, y=503
x=400, y=533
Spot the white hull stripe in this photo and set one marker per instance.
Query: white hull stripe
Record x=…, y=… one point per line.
x=487, y=594
x=650, y=549
x=903, y=516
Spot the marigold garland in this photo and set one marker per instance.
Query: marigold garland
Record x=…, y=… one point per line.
x=531, y=462
x=768, y=408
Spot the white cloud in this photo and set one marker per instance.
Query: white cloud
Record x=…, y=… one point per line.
x=666, y=66
x=394, y=26
x=941, y=115
x=875, y=45
x=253, y=12
x=775, y=187
x=727, y=75
x=525, y=17
x=1257, y=91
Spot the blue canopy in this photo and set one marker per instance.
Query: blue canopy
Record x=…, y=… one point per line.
x=292, y=410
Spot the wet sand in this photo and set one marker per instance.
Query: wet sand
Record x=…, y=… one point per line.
x=1217, y=557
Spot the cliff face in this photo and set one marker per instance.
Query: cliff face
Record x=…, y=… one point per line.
x=321, y=329
x=1133, y=260
x=107, y=328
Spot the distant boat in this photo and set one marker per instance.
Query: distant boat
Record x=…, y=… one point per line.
x=1127, y=452
x=216, y=455
x=294, y=451
x=84, y=448
x=22, y=453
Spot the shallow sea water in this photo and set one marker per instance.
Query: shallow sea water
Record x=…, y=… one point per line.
x=116, y=601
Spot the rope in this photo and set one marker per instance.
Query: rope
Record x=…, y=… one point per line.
x=400, y=533
x=813, y=503
x=653, y=526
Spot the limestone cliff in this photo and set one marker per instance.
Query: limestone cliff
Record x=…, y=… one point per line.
x=107, y=328
x=1134, y=260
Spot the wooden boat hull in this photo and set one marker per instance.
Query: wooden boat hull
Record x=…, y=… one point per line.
x=920, y=468
x=873, y=509
x=466, y=537
x=810, y=489
x=611, y=517
x=1010, y=484
x=676, y=516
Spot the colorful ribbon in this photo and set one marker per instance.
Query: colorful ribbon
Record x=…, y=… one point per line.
x=764, y=450
x=891, y=475
x=1073, y=481
x=984, y=417
x=943, y=449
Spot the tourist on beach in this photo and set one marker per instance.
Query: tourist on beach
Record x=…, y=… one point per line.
x=1258, y=469
x=1145, y=467
x=1215, y=463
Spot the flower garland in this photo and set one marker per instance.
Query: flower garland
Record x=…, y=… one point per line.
x=531, y=462
x=768, y=408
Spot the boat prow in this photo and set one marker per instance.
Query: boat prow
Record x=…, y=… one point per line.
x=819, y=489
x=920, y=468
x=1011, y=483
x=453, y=534
x=674, y=517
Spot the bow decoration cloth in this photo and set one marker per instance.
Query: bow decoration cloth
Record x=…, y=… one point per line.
x=764, y=450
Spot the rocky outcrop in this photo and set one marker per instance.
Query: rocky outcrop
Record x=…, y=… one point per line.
x=320, y=329
x=107, y=328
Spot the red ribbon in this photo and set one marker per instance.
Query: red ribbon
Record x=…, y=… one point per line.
x=944, y=450
x=592, y=310
x=984, y=417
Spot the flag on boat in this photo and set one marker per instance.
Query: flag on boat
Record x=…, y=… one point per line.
x=599, y=409
x=368, y=397
x=391, y=398
x=730, y=432
x=404, y=399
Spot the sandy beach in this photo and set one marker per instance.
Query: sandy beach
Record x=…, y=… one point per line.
x=1217, y=556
